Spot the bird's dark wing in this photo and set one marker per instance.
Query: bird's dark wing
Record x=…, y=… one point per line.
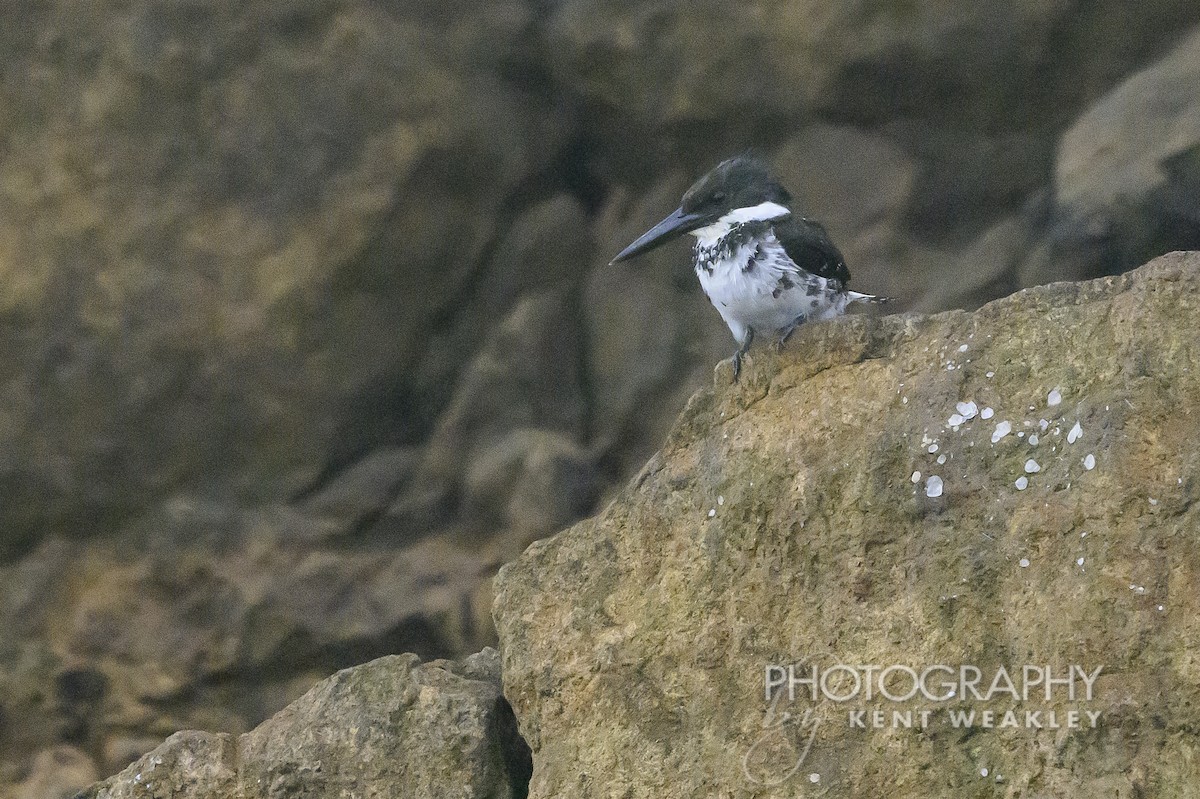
x=809, y=247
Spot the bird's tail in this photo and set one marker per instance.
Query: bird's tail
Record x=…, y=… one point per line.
x=857, y=296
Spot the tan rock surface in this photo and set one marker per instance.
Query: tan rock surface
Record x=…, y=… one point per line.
x=393, y=727
x=783, y=523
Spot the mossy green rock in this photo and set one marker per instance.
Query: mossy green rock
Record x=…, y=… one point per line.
x=793, y=519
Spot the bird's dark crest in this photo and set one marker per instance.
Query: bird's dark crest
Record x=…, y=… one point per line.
x=739, y=182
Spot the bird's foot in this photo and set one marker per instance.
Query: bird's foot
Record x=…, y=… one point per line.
x=742, y=350
x=786, y=333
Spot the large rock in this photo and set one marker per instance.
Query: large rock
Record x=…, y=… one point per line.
x=107, y=647
x=980, y=66
x=858, y=500
x=393, y=727
x=248, y=253
x=224, y=224
x=57, y=773
x=1128, y=170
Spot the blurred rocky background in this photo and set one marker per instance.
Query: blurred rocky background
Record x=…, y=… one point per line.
x=306, y=320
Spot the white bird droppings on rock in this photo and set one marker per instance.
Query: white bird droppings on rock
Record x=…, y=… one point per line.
x=814, y=777
x=932, y=448
x=933, y=486
x=1022, y=483
x=955, y=420
x=1033, y=440
x=1024, y=563
x=1089, y=462
x=1002, y=429
x=712, y=512
x=1032, y=467
x=1137, y=589
x=916, y=477
x=983, y=772
x=720, y=500
x=986, y=413
x=941, y=459
x=1079, y=561
x=991, y=374
x=1075, y=434
x=963, y=348
x=1054, y=398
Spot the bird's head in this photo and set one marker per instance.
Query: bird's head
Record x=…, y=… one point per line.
x=737, y=191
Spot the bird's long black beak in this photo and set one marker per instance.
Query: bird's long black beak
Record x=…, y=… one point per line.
x=674, y=226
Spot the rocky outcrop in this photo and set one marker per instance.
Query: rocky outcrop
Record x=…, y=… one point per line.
x=1011, y=490
x=58, y=772
x=1128, y=171
x=251, y=256
x=393, y=727
x=980, y=66
x=213, y=192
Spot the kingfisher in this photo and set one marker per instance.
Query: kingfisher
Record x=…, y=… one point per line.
x=763, y=267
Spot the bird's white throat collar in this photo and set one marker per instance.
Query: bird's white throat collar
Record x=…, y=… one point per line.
x=709, y=235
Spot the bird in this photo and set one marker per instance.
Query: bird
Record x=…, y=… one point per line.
x=763, y=267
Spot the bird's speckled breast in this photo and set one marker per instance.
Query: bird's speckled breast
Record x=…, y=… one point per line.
x=753, y=283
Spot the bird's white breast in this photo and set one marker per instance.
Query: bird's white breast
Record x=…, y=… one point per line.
x=756, y=284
